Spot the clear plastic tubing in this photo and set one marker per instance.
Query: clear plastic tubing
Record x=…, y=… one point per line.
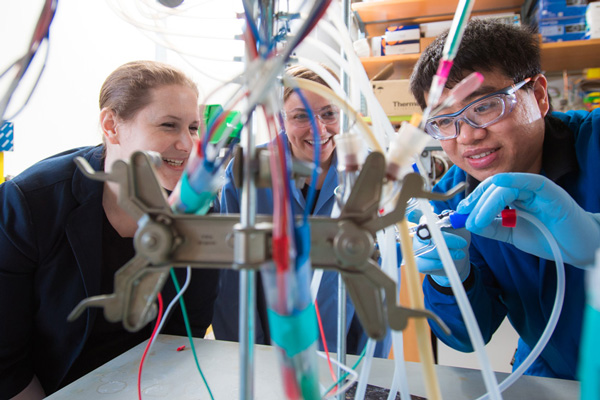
x=489, y=377
x=556, y=309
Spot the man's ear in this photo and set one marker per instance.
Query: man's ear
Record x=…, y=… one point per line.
x=108, y=123
x=540, y=91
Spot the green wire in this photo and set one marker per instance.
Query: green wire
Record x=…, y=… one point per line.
x=362, y=354
x=189, y=330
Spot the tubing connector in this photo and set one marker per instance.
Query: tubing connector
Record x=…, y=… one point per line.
x=409, y=141
x=350, y=152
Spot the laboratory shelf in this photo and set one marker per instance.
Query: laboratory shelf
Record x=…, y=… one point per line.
x=377, y=15
x=572, y=55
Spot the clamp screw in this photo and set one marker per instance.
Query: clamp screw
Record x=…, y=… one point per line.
x=149, y=240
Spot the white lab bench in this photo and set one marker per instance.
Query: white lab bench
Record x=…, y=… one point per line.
x=172, y=374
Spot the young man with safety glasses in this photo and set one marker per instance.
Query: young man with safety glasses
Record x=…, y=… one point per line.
x=512, y=151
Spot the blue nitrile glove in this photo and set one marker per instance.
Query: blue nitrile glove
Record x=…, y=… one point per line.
x=414, y=215
x=458, y=241
x=576, y=231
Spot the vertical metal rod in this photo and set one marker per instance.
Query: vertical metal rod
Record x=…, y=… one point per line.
x=341, y=339
x=247, y=277
x=341, y=328
x=248, y=220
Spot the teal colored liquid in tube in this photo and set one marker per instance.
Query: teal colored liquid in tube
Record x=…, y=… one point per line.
x=589, y=357
x=292, y=316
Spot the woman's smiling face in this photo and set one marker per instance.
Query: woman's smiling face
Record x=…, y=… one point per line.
x=302, y=138
x=167, y=125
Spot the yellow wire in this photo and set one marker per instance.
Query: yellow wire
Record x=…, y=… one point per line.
x=415, y=295
x=324, y=91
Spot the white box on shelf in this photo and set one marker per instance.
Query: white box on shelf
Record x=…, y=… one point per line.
x=402, y=33
x=402, y=48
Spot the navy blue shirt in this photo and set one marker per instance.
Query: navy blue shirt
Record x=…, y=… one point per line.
x=51, y=239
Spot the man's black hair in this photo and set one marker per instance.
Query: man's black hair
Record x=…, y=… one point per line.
x=487, y=45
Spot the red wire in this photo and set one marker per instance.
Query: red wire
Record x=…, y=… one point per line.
x=158, y=318
x=251, y=41
x=281, y=241
x=324, y=341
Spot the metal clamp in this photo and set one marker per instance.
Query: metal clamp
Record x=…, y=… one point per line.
x=164, y=239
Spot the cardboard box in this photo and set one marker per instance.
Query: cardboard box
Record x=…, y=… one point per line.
x=395, y=97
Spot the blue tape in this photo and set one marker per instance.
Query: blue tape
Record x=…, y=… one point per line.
x=294, y=333
x=194, y=202
x=6, y=136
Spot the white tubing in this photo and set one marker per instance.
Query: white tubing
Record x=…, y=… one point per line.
x=332, y=55
x=389, y=265
x=365, y=371
x=400, y=379
x=315, y=283
x=323, y=73
x=556, y=309
x=339, y=32
x=489, y=377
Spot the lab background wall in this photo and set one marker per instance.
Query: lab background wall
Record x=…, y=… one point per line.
x=87, y=42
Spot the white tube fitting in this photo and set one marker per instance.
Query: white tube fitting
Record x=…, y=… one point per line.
x=408, y=142
x=350, y=152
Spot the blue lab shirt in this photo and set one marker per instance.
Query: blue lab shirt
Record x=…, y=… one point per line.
x=226, y=315
x=505, y=281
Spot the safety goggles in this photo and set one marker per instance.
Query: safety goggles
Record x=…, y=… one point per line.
x=300, y=119
x=481, y=113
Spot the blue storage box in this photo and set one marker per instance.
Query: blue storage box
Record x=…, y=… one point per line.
x=562, y=29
